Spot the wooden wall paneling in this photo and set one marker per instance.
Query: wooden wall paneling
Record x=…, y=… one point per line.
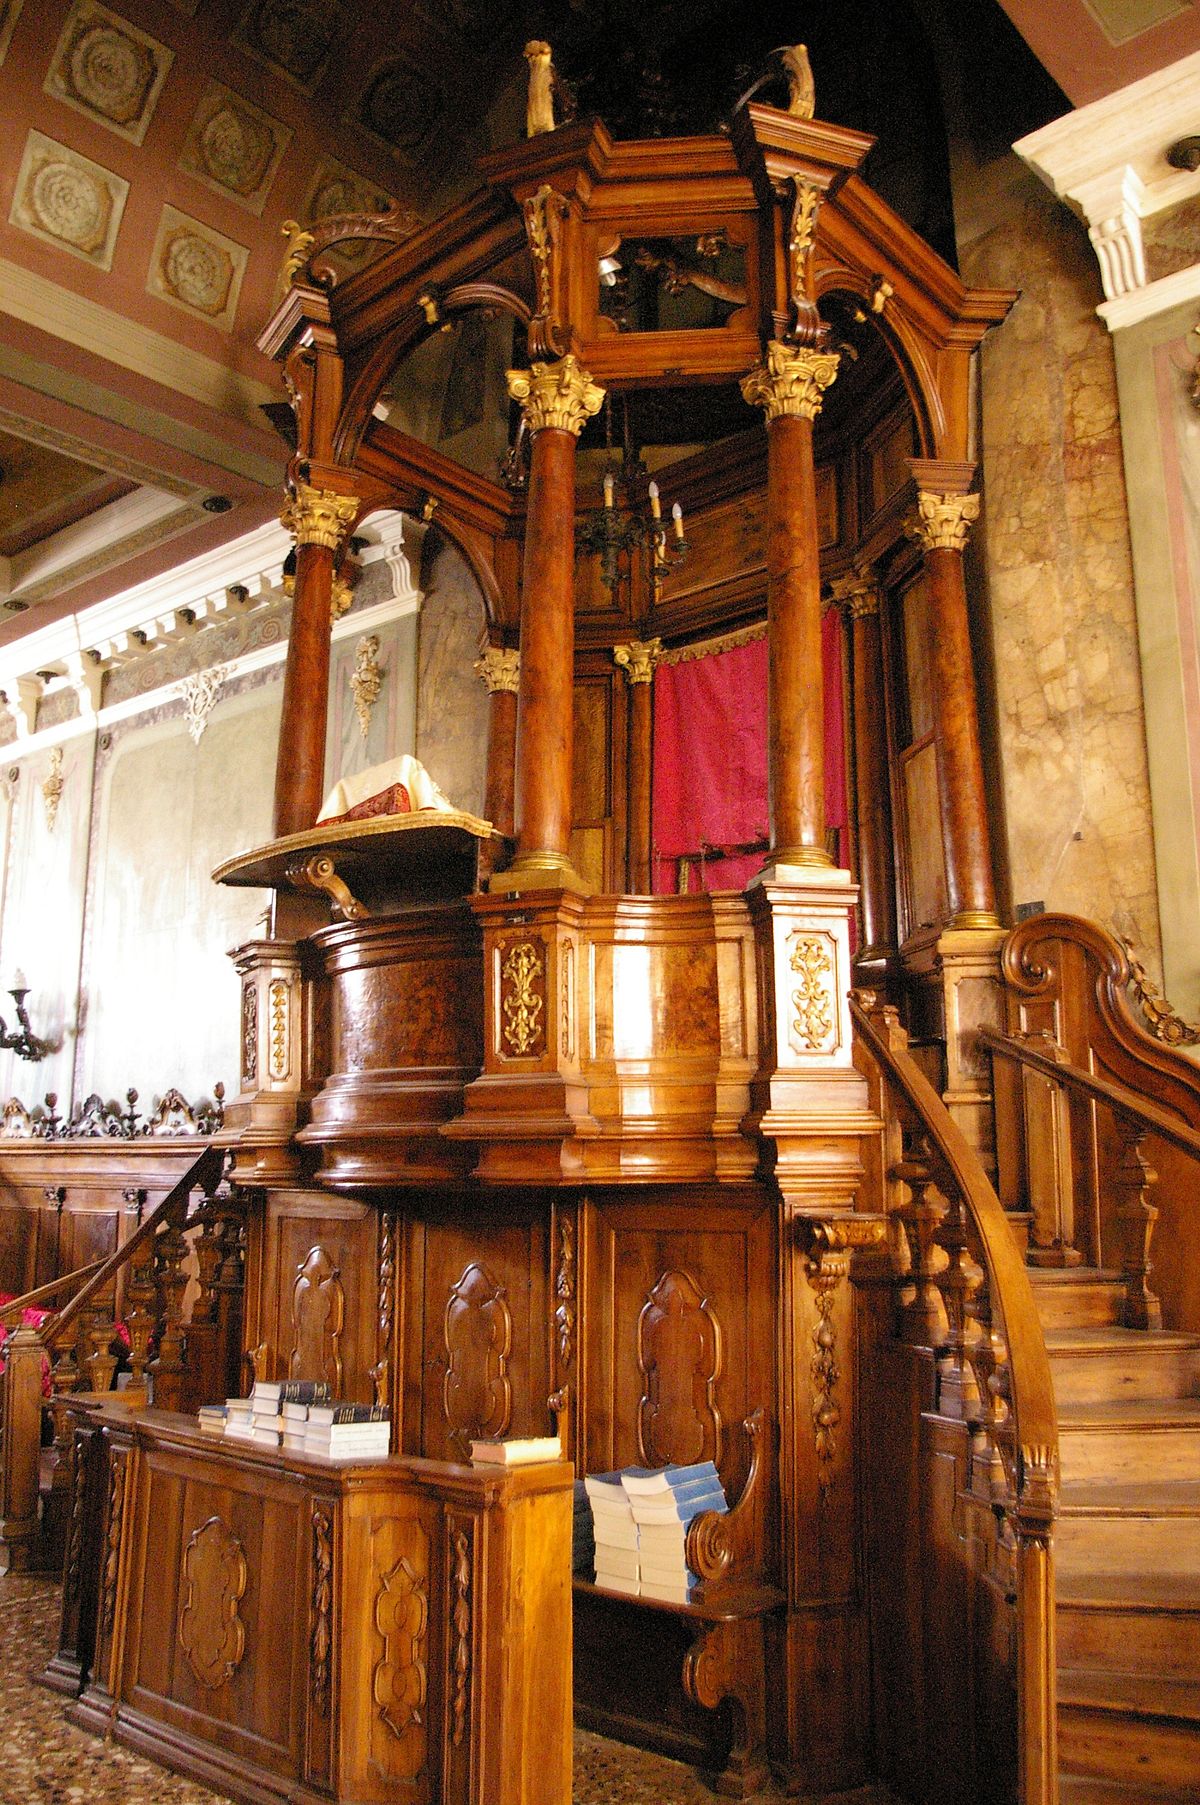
x=482, y=1294
x=598, y=806
x=320, y=1284
x=17, y=1244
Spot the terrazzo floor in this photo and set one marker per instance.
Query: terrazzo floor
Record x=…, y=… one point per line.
x=46, y=1761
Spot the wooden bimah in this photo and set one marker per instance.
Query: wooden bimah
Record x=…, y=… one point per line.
x=280, y=1627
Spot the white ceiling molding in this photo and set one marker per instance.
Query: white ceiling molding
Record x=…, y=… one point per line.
x=1157, y=297
x=1107, y=161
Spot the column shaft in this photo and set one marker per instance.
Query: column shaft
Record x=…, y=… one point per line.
x=796, y=702
x=546, y=701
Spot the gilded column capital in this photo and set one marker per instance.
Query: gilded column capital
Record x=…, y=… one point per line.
x=791, y=380
x=499, y=669
x=319, y=516
x=942, y=522
x=638, y=658
x=560, y=394
x=856, y=596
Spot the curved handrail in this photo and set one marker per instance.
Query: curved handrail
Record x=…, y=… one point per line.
x=1032, y=1401
x=32, y=1300
x=1117, y=1097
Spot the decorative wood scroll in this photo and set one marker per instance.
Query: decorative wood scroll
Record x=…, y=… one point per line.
x=321, y=1642
x=564, y=1291
x=117, y=1475
x=97, y=1120
x=211, y=1633
x=679, y=1358
x=460, y=1622
x=318, y=1315
x=400, y=1679
x=477, y=1392
x=523, y=999
x=380, y=1372
x=830, y=1242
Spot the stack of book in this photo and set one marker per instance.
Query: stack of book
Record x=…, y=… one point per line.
x=583, y=1540
x=211, y=1418
x=617, y=1567
x=663, y=1504
x=238, y=1423
x=348, y=1431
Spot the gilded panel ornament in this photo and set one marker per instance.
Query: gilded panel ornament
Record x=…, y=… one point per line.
x=279, y=1013
x=233, y=147
x=249, y=1031
x=523, y=999
x=400, y=1679
x=318, y=1317
x=813, y=1028
x=106, y=68
x=366, y=681
x=564, y=1291
x=460, y=1619
x=499, y=669
x=68, y=200
x=211, y=1632
x=566, y=1032
x=477, y=1337
x=559, y=394
x=319, y=516
x=638, y=658
x=321, y=1641
x=52, y=787
x=942, y=522
x=791, y=381
x=679, y=1358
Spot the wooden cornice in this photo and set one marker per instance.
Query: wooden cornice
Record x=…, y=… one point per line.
x=572, y=159
x=772, y=146
x=398, y=461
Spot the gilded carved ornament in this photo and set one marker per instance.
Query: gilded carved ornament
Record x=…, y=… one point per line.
x=942, y=522
x=831, y=1242
x=52, y=787
x=791, y=381
x=500, y=669
x=638, y=659
x=366, y=680
x=802, y=93
x=857, y=596
x=559, y=394
x=300, y=246
x=1163, y=1022
x=802, y=233
x=319, y=516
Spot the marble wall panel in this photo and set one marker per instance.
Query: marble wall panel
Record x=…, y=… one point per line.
x=1054, y=544
x=452, y=704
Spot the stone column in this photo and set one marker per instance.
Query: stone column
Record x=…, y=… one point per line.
x=790, y=385
x=320, y=520
x=859, y=598
x=637, y=659
x=556, y=399
x=940, y=525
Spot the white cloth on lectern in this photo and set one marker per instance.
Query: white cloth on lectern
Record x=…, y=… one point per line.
x=422, y=791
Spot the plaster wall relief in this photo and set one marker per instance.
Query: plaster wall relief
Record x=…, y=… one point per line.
x=1054, y=539
x=68, y=201
x=292, y=37
x=106, y=68
x=195, y=268
x=234, y=147
x=390, y=719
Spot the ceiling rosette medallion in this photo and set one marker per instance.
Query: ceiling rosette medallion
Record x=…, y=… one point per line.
x=106, y=68
x=68, y=200
x=234, y=147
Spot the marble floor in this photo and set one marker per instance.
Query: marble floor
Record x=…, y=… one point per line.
x=45, y=1761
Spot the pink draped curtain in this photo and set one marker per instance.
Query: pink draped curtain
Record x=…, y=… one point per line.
x=709, y=798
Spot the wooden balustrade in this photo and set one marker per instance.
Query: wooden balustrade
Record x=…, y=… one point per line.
x=961, y=1445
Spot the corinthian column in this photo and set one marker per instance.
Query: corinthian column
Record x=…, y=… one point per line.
x=320, y=520
x=556, y=399
x=790, y=386
x=637, y=659
x=859, y=599
x=500, y=671
x=940, y=524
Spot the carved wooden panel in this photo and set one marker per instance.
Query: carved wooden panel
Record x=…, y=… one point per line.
x=477, y=1330
x=211, y=1632
x=400, y=1676
x=521, y=1018
x=679, y=1358
x=318, y=1315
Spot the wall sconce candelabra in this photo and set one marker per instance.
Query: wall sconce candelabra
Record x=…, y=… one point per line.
x=22, y=1041
x=623, y=529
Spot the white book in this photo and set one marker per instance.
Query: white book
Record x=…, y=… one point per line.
x=618, y=1560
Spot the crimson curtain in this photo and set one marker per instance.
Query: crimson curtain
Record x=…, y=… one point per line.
x=709, y=798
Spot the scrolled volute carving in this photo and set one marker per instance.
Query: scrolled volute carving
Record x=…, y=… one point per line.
x=304, y=260
x=722, y=1544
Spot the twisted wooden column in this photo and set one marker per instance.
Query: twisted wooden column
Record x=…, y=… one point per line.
x=637, y=659
x=320, y=520
x=859, y=599
x=790, y=385
x=940, y=525
x=556, y=399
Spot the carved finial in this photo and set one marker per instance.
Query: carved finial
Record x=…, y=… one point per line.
x=539, y=109
x=802, y=97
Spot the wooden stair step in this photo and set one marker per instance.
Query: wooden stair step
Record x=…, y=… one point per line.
x=1101, y=1362
x=1123, y=1527
x=1145, y=1620
x=1127, y=1439
x=1085, y=1789
x=1138, y=1727
x=1077, y=1297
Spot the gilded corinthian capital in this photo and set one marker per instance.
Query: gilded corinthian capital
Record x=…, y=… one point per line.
x=942, y=522
x=319, y=516
x=855, y=595
x=791, y=380
x=560, y=394
x=499, y=669
x=638, y=658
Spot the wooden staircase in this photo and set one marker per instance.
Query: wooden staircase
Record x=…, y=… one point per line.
x=1127, y=1547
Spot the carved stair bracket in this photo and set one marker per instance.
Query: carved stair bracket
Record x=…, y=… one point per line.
x=830, y=1243
x=477, y=1332
x=1132, y=1183
x=679, y=1358
x=318, y=874
x=211, y=1633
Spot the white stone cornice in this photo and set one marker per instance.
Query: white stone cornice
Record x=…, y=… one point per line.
x=1157, y=297
x=1107, y=161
